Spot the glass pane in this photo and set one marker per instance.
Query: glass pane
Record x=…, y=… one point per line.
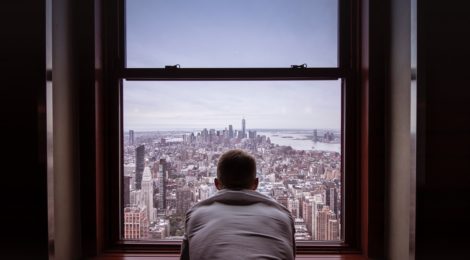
x=174, y=133
x=232, y=33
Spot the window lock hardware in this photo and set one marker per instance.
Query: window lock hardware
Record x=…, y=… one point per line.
x=302, y=66
x=177, y=66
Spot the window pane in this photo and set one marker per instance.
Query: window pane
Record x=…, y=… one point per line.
x=232, y=33
x=174, y=133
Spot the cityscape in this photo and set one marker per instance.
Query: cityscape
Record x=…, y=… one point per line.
x=167, y=172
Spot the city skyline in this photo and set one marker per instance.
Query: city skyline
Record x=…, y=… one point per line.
x=300, y=171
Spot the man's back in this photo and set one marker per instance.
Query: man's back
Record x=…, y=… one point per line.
x=239, y=225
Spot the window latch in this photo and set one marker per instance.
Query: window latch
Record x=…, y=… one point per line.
x=177, y=66
x=302, y=66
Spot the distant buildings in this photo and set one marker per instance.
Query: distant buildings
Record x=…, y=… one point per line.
x=147, y=194
x=252, y=134
x=139, y=165
x=131, y=137
x=162, y=184
x=230, y=131
x=126, y=189
x=160, y=230
x=183, y=200
x=158, y=192
x=243, y=128
x=327, y=225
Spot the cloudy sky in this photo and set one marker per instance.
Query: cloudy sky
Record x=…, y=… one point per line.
x=216, y=104
x=231, y=33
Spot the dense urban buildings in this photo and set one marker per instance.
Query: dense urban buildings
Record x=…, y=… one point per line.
x=166, y=172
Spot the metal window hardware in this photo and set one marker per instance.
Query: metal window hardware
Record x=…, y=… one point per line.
x=177, y=66
x=302, y=66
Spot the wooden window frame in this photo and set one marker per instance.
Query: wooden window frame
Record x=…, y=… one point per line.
x=101, y=213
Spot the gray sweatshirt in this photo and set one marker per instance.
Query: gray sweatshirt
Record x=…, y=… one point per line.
x=238, y=224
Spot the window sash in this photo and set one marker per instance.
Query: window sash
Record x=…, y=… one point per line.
x=235, y=74
x=345, y=62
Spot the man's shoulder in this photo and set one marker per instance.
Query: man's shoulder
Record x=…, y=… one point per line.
x=239, y=198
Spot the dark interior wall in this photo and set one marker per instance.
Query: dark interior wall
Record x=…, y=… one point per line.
x=443, y=176
x=23, y=207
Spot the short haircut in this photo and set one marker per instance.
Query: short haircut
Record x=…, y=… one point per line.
x=236, y=170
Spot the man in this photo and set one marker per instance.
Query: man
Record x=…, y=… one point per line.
x=238, y=222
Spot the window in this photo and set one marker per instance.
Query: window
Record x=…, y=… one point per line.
x=275, y=78
x=175, y=131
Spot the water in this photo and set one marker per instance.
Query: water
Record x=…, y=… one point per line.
x=300, y=141
x=297, y=139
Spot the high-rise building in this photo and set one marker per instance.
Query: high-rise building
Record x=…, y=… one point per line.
x=131, y=137
x=252, y=134
x=139, y=165
x=162, y=183
x=135, y=198
x=183, y=200
x=126, y=187
x=315, y=135
x=147, y=194
x=307, y=213
x=135, y=223
x=211, y=135
x=333, y=229
x=243, y=128
x=310, y=209
x=331, y=199
x=230, y=131
x=204, y=192
x=293, y=207
x=323, y=222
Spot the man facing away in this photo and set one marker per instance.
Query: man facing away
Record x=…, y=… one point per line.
x=238, y=222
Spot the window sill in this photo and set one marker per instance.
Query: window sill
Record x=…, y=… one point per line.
x=175, y=257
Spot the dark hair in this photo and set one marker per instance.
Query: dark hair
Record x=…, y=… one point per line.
x=236, y=169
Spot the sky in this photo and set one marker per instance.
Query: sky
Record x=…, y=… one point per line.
x=166, y=105
x=231, y=33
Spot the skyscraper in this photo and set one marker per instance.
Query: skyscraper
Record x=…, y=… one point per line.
x=126, y=187
x=162, y=178
x=183, y=200
x=243, y=128
x=131, y=137
x=333, y=229
x=325, y=229
x=147, y=193
x=252, y=134
x=139, y=165
x=315, y=135
x=230, y=131
x=331, y=198
x=293, y=207
x=314, y=219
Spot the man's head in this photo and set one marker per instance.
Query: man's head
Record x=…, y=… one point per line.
x=236, y=170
